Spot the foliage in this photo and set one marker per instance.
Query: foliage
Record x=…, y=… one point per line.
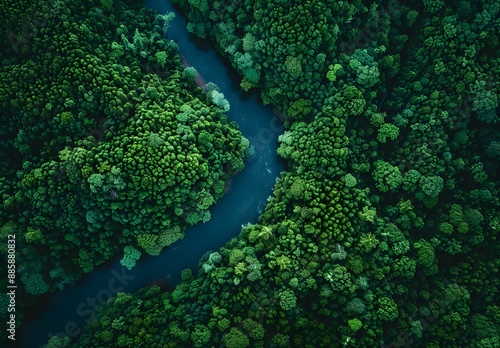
x=108, y=144
x=382, y=232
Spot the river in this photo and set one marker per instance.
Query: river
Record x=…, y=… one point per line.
x=67, y=311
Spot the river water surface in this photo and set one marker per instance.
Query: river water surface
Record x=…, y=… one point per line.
x=67, y=311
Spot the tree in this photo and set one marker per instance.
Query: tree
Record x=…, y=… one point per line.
x=200, y=336
x=220, y=100
x=350, y=180
x=149, y=242
x=34, y=283
x=288, y=300
x=387, y=130
x=130, y=256
x=189, y=73
x=387, y=177
x=57, y=342
x=431, y=185
x=235, y=339
x=293, y=67
x=355, y=324
x=387, y=309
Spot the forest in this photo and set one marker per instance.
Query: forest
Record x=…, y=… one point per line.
x=381, y=233
x=109, y=146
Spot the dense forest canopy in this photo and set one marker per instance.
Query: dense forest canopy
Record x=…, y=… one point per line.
x=109, y=146
x=382, y=232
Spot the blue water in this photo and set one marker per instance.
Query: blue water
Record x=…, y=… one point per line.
x=69, y=310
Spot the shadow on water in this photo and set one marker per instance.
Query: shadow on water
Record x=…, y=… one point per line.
x=67, y=311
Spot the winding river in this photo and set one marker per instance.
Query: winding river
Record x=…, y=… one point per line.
x=67, y=311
